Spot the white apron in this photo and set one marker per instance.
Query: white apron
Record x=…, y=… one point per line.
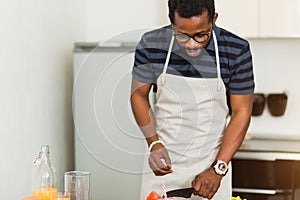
x=191, y=117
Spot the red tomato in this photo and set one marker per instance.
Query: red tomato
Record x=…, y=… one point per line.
x=153, y=196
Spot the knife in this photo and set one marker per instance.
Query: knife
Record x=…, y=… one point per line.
x=185, y=193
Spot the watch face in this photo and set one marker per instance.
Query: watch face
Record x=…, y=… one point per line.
x=222, y=167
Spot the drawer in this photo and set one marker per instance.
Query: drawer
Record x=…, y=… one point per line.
x=265, y=179
x=261, y=174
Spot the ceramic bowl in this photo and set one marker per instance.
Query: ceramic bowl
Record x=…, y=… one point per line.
x=258, y=104
x=277, y=103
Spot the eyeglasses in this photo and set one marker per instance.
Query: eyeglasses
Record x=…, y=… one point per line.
x=198, y=37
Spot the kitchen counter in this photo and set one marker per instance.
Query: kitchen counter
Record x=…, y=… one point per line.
x=269, y=149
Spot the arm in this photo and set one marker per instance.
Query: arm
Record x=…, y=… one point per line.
x=145, y=120
x=237, y=127
x=207, y=183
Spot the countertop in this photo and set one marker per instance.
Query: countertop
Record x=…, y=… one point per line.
x=269, y=149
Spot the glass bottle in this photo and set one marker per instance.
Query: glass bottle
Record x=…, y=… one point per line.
x=44, y=179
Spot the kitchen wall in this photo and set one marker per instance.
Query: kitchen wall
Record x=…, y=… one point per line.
x=276, y=63
x=109, y=19
x=36, y=42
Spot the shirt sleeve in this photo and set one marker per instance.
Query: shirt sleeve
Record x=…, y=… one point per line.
x=143, y=68
x=242, y=78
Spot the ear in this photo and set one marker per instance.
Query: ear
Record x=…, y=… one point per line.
x=215, y=18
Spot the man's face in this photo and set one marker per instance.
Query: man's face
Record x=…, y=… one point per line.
x=198, y=28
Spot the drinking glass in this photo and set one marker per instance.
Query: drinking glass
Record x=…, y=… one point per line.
x=63, y=196
x=77, y=183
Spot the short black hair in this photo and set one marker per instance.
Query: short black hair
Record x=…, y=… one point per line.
x=191, y=8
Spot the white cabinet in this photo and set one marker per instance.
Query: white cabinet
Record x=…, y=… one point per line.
x=239, y=16
x=260, y=18
x=280, y=18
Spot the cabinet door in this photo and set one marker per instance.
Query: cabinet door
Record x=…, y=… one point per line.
x=280, y=18
x=239, y=16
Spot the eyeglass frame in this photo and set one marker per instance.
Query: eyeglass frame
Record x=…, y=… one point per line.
x=208, y=35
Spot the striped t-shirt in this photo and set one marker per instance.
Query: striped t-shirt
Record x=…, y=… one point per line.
x=234, y=52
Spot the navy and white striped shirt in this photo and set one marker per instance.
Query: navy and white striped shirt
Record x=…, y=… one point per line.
x=235, y=60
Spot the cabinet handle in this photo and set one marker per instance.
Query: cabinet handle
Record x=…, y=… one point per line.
x=257, y=191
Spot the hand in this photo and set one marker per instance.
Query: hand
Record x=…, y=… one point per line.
x=159, y=160
x=206, y=184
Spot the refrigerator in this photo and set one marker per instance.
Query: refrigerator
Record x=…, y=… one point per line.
x=108, y=142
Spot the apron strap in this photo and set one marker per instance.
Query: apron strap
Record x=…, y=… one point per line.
x=219, y=86
x=167, y=60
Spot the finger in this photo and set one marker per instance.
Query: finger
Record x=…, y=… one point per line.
x=204, y=193
x=196, y=185
x=155, y=159
x=197, y=188
x=161, y=163
x=211, y=195
x=167, y=158
x=161, y=172
x=201, y=189
x=159, y=169
x=161, y=166
x=165, y=166
x=212, y=192
x=208, y=190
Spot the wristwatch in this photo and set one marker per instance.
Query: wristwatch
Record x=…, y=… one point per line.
x=220, y=167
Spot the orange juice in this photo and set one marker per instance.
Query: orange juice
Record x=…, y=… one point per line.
x=45, y=193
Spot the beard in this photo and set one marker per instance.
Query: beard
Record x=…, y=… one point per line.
x=193, y=51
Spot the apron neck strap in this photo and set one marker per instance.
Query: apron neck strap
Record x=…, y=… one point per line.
x=219, y=86
x=167, y=60
x=216, y=54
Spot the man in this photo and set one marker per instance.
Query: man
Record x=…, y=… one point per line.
x=203, y=74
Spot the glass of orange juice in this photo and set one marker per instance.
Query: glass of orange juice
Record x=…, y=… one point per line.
x=63, y=196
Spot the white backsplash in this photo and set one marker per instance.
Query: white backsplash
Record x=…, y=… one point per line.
x=277, y=69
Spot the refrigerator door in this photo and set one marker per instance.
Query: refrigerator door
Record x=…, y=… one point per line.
x=108, y=143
